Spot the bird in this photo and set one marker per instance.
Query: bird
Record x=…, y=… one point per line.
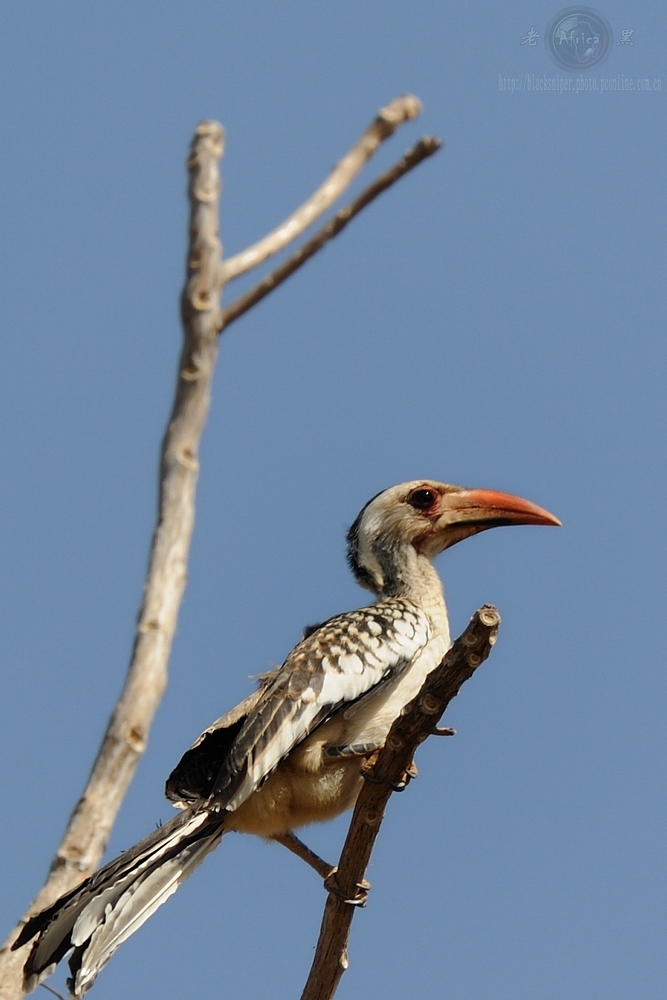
x=292, y=752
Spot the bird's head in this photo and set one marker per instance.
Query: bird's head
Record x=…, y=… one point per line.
x=425, y=518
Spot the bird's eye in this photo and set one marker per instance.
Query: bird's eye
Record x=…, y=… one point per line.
x=422, y=499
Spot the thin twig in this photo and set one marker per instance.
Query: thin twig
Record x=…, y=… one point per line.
x=51, y=990
x=424, y=148
x=407, y=732
x=125, y=739
x=385, y=124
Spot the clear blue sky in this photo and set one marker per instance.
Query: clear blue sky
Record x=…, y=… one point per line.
x=496, y=320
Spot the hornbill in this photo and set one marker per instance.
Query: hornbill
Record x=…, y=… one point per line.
x=291, y=753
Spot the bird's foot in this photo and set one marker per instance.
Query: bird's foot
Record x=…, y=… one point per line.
x=443, y=731
x=396, y=786
x=360, y=898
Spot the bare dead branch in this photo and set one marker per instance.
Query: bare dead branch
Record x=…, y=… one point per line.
x=424, y=148
x=385, y=124
x=91, y=822
x=88, y=830
x=407, y=732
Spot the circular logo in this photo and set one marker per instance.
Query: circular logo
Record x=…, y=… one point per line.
x=578, y=39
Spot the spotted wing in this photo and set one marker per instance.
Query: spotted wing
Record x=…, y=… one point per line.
x=335, y=665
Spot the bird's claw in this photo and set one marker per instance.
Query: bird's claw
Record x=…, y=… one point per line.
x=443, y=731
x=396, y=786
x=360, y=899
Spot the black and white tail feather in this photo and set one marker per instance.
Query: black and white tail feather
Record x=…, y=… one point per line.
x=102, y=913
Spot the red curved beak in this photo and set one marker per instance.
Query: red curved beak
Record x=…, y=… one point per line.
x=489, y=508
x=467, y=512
